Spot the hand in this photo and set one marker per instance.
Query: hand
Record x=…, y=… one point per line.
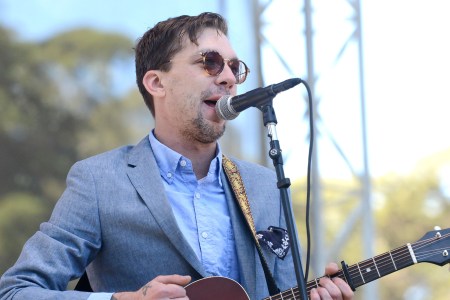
x=336, y=288
x=161, y=287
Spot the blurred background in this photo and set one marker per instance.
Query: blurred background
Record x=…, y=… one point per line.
x=378, y=71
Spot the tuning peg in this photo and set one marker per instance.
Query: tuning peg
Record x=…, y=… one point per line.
x=437, y=228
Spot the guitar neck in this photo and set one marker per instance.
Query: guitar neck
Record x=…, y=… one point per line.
x=374, y=268
x=363, y=272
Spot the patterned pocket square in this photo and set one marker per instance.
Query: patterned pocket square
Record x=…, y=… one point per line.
x=276, y=239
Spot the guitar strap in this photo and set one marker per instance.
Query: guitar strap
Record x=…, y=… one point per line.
x=234, y=177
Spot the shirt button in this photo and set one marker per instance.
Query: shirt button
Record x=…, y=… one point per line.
x=183, y=163
x=197, y=195
x=204, y=234
x=169, y=175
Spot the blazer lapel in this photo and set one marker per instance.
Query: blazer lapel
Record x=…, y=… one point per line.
x=243, y=239
x=144, y=175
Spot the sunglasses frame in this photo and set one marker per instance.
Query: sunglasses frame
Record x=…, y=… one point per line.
x=240, y=76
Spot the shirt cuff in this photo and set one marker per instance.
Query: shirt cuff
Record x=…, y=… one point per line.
x=100, y=296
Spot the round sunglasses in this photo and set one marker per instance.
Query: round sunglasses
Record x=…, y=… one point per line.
x=214, y=63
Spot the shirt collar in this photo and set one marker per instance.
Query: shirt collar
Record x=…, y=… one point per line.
x=168, y=159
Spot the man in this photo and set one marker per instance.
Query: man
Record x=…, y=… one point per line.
x=146, y=220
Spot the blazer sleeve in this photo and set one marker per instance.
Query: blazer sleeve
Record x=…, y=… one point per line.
x=62, y=247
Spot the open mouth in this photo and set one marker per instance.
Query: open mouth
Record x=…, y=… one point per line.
x=210, y=103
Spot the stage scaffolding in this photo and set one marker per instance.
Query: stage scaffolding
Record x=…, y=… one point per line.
x=310, y=13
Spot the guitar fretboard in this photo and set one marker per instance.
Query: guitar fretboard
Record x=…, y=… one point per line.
x=381, y=265
x=362, y=272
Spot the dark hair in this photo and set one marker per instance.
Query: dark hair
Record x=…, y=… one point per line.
x=160, y=44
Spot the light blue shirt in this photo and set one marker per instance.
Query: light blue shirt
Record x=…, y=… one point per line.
x=200, y=209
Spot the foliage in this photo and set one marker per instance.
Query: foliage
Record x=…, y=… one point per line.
x=21, y=214
x=406, y=207
x=35, y=132
x=412, y=205
x=58, y=105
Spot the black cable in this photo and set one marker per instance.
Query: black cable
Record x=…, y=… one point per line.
x=308, y=183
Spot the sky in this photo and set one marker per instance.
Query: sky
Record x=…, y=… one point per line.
x=405, y=62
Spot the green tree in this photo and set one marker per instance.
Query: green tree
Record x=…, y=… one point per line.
x=20, y=214
x=406, y=206
x=35, y=131
x=55, y=97
x=412, y=205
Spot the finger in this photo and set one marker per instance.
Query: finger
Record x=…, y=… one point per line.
x=331, y=289
x=345, y=289
x=331, y=268
x=173, y=279
x=314, y=294
x=164, y=287
x=324, y=294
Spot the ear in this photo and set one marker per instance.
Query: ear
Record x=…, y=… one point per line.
x=152, y=83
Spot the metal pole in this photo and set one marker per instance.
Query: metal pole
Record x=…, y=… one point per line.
x=370, y=291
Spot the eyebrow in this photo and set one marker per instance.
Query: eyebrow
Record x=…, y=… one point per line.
x=213, y=50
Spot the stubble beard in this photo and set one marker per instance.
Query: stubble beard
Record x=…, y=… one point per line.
x=202, y=131
x=199, y=129
x=208, y=133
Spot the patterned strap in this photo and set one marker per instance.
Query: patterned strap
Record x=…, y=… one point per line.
x=234, y=177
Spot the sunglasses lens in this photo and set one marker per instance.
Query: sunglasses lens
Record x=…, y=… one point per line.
x=238, y=69
x=213, y=63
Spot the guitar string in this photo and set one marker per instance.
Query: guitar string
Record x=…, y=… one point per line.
x=428, y=253
x=385, y=261
x=402, y=256
x=313, y=283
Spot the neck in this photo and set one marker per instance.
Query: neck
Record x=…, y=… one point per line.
x=200, y=154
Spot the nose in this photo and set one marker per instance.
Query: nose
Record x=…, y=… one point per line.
x=226, y=77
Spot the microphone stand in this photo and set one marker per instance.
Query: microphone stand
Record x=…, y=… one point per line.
x=270, y=121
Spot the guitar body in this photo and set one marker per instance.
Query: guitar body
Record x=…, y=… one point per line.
x=217, y=288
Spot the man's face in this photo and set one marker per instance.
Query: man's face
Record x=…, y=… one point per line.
x=188, y=107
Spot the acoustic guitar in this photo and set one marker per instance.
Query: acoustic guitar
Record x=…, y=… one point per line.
x=433, y=247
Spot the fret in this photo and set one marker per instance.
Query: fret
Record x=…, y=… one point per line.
x=402, y=257
x=385, y=264
x=293, y=294
x=376, y=268
x=393, y=262
x=359, y=269
x=411, y=252
x=355, y=277
x=317, y=282
x=368, y=271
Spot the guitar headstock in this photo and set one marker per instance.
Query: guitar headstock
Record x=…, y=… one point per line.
x=433, y=247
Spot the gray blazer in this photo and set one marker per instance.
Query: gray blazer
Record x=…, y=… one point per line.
x=115, y=221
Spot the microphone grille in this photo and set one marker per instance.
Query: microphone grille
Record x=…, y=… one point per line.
x=224, y=109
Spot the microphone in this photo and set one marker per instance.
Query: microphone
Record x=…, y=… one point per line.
x=228, y=107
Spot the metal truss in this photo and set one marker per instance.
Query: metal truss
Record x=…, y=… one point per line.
x=360, y=217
